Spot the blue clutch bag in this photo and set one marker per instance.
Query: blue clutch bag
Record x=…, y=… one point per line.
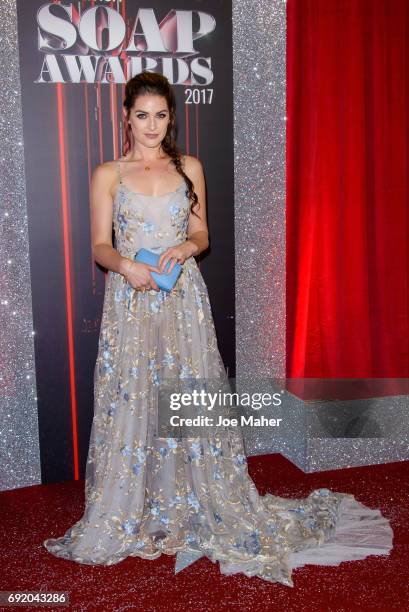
x=164, y=281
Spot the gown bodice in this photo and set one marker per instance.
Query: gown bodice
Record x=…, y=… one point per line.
x=150, y=222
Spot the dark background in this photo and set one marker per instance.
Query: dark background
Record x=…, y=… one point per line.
x=64, y=388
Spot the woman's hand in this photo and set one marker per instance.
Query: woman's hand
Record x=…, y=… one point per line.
x=178, y=253
x=138, y=275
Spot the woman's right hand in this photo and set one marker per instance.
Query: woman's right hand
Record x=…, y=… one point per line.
x=138, y=275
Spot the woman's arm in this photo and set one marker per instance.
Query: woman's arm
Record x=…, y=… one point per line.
x=197, y=230
x=101, y=204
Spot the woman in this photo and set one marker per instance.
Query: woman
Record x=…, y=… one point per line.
x=149, y=495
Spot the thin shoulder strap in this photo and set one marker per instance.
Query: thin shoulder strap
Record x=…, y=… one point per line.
x=118, y=164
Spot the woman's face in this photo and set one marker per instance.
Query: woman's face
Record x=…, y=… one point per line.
x=149, y=118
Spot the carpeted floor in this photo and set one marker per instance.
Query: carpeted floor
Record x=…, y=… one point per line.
x=30, y=515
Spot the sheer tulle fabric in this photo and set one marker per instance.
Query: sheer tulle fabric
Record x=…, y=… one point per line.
x=146, y=496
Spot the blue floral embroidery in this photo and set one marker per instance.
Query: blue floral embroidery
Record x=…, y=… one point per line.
x=175, y=501
x=130, y=527
x=252, y=544
x=153, y=368
x=192, y=501
x=141, y=455
x=310, y=523
x=198, y=298
x=154, y=306
x=118, y=296
x=140, y=460
x=168, y=360
x=299, y=510
x=106, y=368
x=104, y=343
x=191, y=539
x=111, y=409
x=148, y=227
x=174, y=209
x=186, y=371
x=155, y=507
x=122, y=222
x=179, y=217
x=240, y=460
x=128, y=291
x=196, y=451
x=215, y=450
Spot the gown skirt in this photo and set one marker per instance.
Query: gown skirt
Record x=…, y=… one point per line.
x=147, y=495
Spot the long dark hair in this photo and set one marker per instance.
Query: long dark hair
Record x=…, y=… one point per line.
x=156, y=84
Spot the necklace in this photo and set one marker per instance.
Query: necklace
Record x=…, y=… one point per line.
x=147, y=168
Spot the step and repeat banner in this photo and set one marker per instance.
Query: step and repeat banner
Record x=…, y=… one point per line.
x=75, y=59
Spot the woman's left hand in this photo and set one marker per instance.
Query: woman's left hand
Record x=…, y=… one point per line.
x=178, y=253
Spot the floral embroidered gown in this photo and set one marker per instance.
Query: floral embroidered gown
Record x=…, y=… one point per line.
x=147, y=495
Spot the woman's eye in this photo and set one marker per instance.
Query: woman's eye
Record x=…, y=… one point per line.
x=143, y=116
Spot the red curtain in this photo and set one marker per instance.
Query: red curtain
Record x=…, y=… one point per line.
x=347, y=188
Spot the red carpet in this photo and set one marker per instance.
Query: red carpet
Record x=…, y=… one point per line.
x=30, y=515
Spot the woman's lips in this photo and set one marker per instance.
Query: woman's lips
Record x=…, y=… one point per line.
x=152, y=135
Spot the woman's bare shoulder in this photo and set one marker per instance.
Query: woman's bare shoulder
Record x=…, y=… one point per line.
x=106, y=172
x=192, y=165
x=105, y=177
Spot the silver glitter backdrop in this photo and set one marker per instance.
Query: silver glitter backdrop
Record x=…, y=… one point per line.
x=19, y=443
x=259, y=73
